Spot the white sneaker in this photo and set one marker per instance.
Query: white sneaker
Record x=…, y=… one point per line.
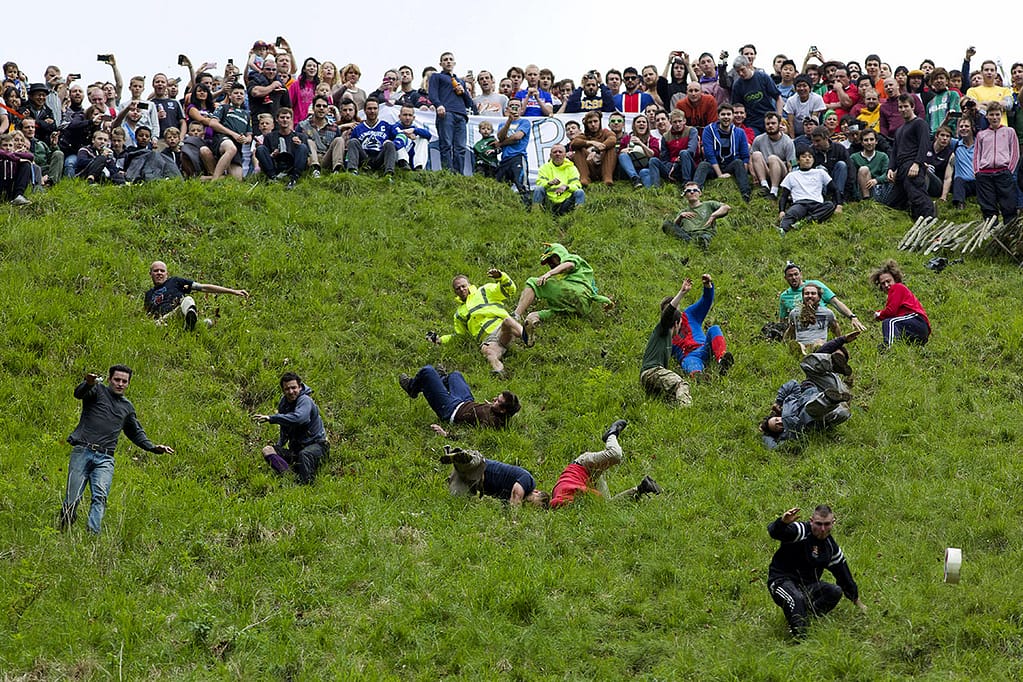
x=20, y=200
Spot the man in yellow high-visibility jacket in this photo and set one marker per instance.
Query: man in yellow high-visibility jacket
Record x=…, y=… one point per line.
x=482, y=315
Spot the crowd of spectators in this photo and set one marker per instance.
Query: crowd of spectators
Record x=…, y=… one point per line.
x=901, y=136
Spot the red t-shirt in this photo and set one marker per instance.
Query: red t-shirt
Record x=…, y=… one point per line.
x=571, y=481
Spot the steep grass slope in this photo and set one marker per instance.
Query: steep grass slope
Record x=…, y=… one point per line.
x=211, y=567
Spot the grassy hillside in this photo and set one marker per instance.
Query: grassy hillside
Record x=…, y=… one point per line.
x=211, y=567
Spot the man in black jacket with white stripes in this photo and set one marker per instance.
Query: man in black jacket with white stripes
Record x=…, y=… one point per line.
x=794, y=578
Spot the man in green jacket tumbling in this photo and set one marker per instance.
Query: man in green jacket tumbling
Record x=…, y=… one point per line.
x=567, y=287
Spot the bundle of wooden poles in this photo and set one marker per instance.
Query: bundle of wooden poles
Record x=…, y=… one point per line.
x=929, y=235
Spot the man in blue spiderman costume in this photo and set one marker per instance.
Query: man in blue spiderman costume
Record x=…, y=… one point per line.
x=693, y=347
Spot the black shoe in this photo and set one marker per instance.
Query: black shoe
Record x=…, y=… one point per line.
x=637, y=184
x=837, y=396
x=648, y=486
x=405, y=381
x=528, y=334
x=840, y=363
x=291, y=184
x=616, y=428
x=403, y=165
x=453, y=455
x=725, y=363
x=190, y=319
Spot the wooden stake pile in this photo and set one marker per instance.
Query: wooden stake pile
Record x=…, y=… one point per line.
x=928, y=235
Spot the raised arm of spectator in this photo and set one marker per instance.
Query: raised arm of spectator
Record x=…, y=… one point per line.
x=724, y=80
x=287, y=49
x=119, y=119
x=118, y=81
x=666, y=74
x=965, y=68
x=191, y=74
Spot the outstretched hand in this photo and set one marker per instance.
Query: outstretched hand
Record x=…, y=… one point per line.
x=687, y=284
x=439, y=430
x=790, y=516
x=494, y=273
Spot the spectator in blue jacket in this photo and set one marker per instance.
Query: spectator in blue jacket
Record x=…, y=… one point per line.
x=453, y=104
x=725, y=152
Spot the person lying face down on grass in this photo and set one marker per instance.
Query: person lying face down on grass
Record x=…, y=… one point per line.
x=473, y=474
x=452, y=401
x=586, y=473
x=818, y=403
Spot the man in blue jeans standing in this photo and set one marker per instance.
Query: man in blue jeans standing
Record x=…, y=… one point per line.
x=451, y=399
x=453, y=103
x=105, y=413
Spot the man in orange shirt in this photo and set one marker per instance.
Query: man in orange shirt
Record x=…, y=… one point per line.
x=700, y=108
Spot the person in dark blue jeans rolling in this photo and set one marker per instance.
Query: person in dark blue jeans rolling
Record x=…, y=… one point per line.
x=452, y=401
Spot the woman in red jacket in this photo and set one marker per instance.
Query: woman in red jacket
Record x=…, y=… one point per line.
x=903, y=316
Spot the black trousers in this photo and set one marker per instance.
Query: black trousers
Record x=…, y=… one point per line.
x=816, y=211
x=18, y=183
x=912, y=192
x=798, y=602
x=996, y=192
x=307, y=460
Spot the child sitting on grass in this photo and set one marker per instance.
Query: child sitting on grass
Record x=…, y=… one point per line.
x=805, y=189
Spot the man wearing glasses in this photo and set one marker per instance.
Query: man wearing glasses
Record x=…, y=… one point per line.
x=633, y=100
x=267, y=93
x=328, y=145
x=697, y=222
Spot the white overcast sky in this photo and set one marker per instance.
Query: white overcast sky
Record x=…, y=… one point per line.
x=147, y=37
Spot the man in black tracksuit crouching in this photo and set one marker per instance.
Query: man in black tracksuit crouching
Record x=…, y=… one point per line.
x=794, y=578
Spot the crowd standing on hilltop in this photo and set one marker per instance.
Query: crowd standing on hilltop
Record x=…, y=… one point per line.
x=811, y=138
x=901, y=136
